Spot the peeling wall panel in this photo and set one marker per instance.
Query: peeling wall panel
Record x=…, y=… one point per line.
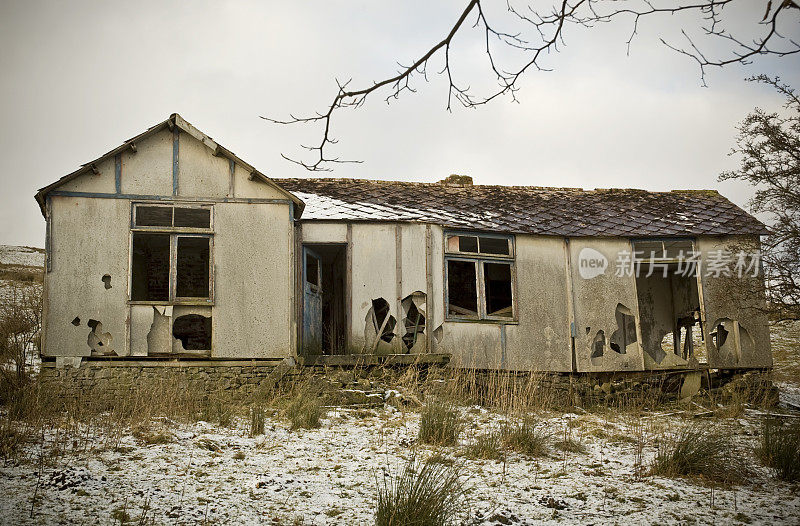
x=373, y=277
x=90, y=240
x=734, y=299
x=595, y=303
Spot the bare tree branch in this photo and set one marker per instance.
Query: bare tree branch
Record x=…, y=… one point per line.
x=546, y=30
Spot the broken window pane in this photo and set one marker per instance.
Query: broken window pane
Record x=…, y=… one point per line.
x=153, y=216
x=192, y=267
x=194, y=332
x=461, y=289
x=150, y=267
x=497, y=286
x=193, y=217
x=467, y=244
x=312, y=270
x=494, y=245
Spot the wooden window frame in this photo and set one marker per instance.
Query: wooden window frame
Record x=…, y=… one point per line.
x=174, y=233
x=479, y=259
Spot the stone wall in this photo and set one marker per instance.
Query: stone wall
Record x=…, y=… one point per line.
x=118, y=378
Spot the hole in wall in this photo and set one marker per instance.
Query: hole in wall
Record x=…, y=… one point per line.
x=414, y=317
x=76, y=322
x=194, y=332
x=107, y=281
x=98, y=340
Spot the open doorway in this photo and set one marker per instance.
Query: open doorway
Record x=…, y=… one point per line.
x=669, y=304
x=324, y=316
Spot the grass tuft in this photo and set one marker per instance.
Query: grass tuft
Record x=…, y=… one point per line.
x=439, y=424
x=701, y=451
x=422, y=493
x=304, y=410
x=780, y=448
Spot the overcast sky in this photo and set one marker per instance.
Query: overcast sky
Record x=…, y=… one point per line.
x=79, y=78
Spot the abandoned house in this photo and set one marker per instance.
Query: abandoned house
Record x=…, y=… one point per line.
x=170, y=247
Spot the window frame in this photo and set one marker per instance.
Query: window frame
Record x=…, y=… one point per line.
x=479, y=259
x=174, y=233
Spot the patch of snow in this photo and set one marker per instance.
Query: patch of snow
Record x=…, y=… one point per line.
x=23, y=256
x=328, y=476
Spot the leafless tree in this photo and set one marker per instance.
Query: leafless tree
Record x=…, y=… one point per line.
x=531, y=33
x=20, y=327
x=769, y=147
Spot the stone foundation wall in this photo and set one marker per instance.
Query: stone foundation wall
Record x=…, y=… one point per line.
x=119, y=378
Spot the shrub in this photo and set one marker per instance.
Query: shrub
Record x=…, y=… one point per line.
x=304, y=410
x=701, y=451
x=439, y=424
x=421, y=494
x=780, y=449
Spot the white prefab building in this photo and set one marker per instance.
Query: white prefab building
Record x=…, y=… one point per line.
x=170, y=247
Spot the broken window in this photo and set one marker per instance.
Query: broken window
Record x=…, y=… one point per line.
x=171, y=217
x=194, y=332
x=170, y=260
x=497, y=283
x=312, y=270
x=150, y=267
x=192, y=217
x=462, y=292
x=480, y=285
x=479, y=244
x=192, y=267
x=153, y=216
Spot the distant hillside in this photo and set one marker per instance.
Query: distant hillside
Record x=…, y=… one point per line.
x=20, y=264
x=21, y=256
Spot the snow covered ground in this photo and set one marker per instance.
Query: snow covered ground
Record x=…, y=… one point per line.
x=207, y=474
x=23, y=256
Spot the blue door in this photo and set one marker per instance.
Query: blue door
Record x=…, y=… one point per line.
x=312, y=302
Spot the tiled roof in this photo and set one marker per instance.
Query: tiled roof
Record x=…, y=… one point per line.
x=525, y=209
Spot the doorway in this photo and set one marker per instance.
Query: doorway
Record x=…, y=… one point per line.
x=324, y=314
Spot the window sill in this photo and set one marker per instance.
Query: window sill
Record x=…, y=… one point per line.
x=483, y=321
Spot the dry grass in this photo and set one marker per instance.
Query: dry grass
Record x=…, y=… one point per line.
x=525, y=437
x=780, y=448
x=701, y=451
x=304, y=409
x=439, y=424
x=420, y=494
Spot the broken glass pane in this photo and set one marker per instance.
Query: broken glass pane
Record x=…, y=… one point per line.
x=461, y=289
x=192, y=267
x=467, y=244
x=497, y=283
x=494, y=245
x=150, y=267
x=193, y=217
x=312, y=270
x=153, y=216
